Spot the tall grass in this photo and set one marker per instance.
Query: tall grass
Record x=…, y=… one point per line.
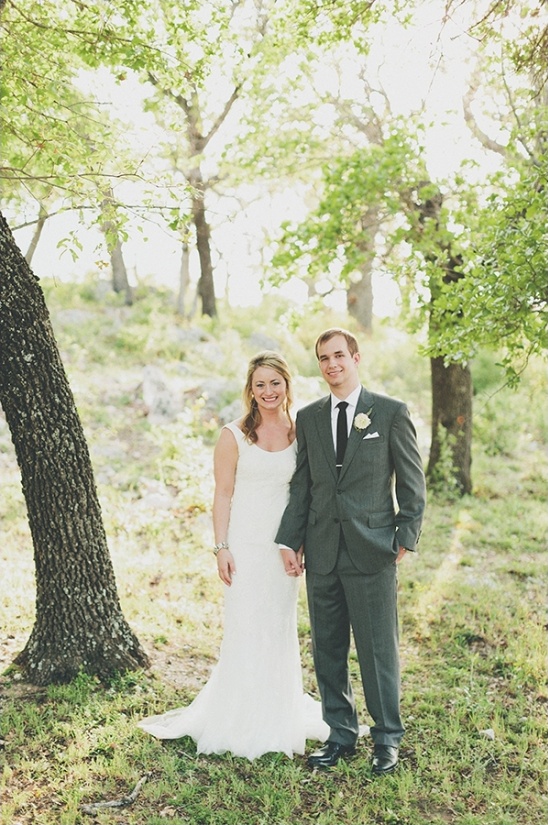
x=472, y=601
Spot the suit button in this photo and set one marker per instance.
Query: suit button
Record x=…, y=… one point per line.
x=336, y=520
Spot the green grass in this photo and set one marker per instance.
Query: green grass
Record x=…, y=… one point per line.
x=472, y=611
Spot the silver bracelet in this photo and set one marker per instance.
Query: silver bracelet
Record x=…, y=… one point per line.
x=221, y=546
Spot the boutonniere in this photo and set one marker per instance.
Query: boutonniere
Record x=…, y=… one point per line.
x=362, y=420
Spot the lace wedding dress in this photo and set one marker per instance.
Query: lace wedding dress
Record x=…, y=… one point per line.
x=253, y=702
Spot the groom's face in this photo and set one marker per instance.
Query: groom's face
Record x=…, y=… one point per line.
x=338, y=366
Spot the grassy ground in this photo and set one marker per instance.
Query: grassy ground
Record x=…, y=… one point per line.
x=472, y=623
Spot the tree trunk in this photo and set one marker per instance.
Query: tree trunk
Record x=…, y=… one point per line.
x=120, y=282
x=451, y=422
x=79, y=623
x=206, y=288
x=197, y=143
x=359, y=295
x=359, y=299
x=450, y=461
x=184, y=279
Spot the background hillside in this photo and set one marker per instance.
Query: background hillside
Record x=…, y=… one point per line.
x=152, y=392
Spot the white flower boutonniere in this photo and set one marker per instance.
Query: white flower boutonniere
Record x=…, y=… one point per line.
x=362, y=421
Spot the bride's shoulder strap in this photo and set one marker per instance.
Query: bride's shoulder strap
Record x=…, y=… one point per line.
x=234, y=428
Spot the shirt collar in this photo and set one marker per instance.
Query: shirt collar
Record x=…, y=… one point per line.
x=352, y=399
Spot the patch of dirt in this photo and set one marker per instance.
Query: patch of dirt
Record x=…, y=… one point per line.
x=11, y=684
x=178, y=667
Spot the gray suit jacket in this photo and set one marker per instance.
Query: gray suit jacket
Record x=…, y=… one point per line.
x=378, y=499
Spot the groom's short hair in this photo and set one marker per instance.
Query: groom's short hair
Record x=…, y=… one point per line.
x=351, y=341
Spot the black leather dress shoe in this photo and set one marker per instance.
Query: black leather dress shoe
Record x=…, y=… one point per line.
x=329, y=755
x=385, y=759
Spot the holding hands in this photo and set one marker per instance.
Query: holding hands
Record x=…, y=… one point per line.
x=293, y=561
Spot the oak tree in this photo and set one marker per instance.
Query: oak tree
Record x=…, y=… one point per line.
x=79, y=622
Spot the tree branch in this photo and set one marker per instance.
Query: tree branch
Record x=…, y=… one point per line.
x=197, y=140
x=224, y=114
x=471, y=122
x=124, y=802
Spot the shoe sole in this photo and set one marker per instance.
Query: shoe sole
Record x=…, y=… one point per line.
x=386, y=771
x=326, y=767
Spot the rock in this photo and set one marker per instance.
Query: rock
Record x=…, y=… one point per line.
x=156, y=501
x=209, y=352
x=160, y=400
x=74, y=317
x=155, y=495
x=260, y=341
x=216, y=392
x=231, y=412
x=189, y=335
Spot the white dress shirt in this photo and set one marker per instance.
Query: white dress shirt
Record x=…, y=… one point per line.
x=352, y=402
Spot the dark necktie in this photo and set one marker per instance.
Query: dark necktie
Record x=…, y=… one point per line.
x=342, y=433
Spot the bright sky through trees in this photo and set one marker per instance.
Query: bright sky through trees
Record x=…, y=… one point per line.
x=420, y=67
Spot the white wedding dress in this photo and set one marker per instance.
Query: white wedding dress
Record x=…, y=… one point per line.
x=253, y=702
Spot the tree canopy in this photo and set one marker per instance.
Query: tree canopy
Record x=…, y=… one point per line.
x=265, y=64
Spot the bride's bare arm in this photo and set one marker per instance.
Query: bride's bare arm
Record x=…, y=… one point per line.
x=225, y=460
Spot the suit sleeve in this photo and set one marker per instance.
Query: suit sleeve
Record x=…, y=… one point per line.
x=410, y=488
x=292, y=529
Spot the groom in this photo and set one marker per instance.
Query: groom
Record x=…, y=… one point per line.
x=356, y=504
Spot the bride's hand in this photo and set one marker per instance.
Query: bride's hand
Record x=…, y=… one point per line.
x=292, y=561
x=226, y=566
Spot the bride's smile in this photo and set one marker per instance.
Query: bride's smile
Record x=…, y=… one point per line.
x=269, y=388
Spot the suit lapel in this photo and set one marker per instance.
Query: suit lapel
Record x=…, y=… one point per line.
x=364, y=405
x=325, y=433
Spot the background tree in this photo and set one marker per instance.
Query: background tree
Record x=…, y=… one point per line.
x=56, y=143
x=503, y=301
x=111, y=226
x=195, y=87
x=65, y=151
x=299, y=120
x=79, y=623
x=430, y=233
x=387, y=179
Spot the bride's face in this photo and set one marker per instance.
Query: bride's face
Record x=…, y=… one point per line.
x=269, y=388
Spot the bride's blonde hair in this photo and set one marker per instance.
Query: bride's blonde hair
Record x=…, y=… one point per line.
x=252, y=415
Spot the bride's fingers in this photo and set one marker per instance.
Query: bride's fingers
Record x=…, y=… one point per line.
x=225, y=575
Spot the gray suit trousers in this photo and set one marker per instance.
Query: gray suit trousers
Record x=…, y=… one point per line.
x=346, y=599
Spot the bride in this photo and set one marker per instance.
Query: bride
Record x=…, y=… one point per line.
x=253, y=702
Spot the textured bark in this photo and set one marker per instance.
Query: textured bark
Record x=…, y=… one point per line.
x=184, y=284
x=359, y=299
x=79, y=623
x=452, y=416
x=452, y=389
x=359, y=295
x=197, y=143
x=120, y=282
x=206, y=287
x=184, y=279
